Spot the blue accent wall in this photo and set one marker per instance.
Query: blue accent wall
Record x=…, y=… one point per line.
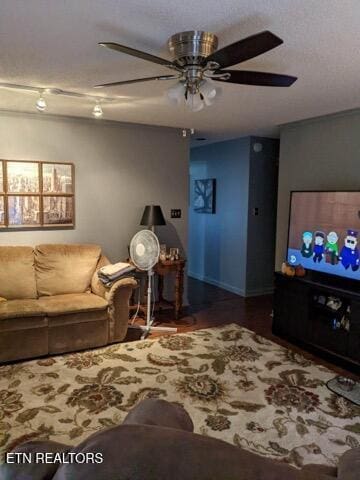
x=217, y=242
x=234, y=248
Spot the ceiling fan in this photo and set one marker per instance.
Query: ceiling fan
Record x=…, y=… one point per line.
x=196, y=63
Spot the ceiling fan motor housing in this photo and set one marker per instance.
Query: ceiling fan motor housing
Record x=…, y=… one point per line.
x=190, y=48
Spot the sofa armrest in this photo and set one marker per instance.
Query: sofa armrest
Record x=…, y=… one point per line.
x=96, y=286
x=349, y=465
x=34, y=470
x=118, y=296
x=317, y=470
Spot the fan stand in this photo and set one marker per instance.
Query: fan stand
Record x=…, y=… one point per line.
x=148, y=328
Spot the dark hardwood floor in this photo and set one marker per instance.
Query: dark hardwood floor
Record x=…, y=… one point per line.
x=210, y=306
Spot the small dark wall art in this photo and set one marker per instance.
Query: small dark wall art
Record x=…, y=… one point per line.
x=204, y=195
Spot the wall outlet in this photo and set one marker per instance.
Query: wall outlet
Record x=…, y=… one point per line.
x=175, y=213
x=255, y=211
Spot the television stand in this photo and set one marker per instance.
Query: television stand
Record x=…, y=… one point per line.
x=322, y=318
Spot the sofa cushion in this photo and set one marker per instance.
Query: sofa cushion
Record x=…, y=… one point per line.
x=64, y=269
x=202, y=458
x=33, y=470
x=318, y=469
x=20, y=309
x=17, y=274
x=71, y=303
x=156, y=411
x=349, y=465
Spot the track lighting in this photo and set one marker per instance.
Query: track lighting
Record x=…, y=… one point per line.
x=41, y=92
x=41, y=103
x=97, y=111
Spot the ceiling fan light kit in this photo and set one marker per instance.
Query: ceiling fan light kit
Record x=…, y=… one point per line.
x=197, y=63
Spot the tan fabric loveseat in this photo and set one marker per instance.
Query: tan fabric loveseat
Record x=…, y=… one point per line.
x=52, y=301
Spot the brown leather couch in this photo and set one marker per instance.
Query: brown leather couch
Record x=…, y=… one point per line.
x=156, y=442
x=51, y=301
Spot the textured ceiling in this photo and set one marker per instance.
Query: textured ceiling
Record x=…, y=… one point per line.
x=54, y=43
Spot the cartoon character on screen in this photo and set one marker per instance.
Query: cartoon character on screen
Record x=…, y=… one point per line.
x=349, y=255
x=307, y=249
x=332, y=249
x=319, y=247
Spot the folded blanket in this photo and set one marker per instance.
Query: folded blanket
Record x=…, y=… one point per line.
x=115, y=268
x=111, y=273
x=111, y=278
x=109, y=283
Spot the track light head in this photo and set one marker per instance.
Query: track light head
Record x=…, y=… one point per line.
x=41, y=103
x=97, y=111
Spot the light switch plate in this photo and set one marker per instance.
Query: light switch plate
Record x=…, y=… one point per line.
x=175, y=213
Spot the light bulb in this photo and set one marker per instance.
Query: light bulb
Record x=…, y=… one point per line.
x=97, y=111
x=175, y=94
x=41, y=104
x=209, y=91
x=194, y=102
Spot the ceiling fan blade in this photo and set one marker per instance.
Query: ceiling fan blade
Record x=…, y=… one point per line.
x=137, y=80
x=246, y=77
x=136, y=53
x=245, y=49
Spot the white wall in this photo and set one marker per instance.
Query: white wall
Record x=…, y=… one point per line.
x=316, y=154
x=118, y=170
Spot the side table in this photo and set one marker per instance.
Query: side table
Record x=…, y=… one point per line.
x=167, y=267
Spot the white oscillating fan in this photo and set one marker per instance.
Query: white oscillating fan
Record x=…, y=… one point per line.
x=144, y=253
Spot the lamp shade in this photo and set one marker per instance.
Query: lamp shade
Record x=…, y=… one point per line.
x=152, y=216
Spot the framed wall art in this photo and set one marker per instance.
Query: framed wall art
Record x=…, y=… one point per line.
x=36, y=194
x=204, y=195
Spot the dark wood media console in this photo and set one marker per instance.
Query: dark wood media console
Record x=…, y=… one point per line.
x=320, y=317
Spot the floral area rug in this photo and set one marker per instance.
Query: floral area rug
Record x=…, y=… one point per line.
x=236, y=385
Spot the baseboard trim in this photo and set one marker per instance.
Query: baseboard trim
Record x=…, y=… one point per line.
x=230, y=288
x=217, y=283
x=260, y=291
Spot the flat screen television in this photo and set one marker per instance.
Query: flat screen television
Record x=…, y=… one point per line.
x=324, y=232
